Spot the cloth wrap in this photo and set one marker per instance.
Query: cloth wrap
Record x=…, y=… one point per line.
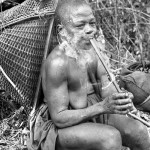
x=43, y=132
x=138, y=83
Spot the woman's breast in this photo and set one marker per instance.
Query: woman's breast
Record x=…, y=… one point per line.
x=78, y=99
x=79, y=87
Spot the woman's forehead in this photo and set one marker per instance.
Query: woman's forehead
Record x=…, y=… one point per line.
x=82, y=12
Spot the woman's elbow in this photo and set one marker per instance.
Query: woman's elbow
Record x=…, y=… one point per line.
x=58, y=122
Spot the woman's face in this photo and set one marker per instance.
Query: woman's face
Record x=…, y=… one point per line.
x=81, y=26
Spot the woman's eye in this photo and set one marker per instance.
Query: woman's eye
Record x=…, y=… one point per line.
x=93, y=23
x=80, y=26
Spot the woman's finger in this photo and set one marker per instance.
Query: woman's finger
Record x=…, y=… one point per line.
x=123, y=107
x=122, y=95
x=123, y=112
x=122, y=101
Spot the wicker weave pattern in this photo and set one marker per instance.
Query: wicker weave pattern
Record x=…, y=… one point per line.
x=21, y=53
x=28, y=9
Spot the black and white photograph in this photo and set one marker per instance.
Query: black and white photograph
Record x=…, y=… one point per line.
x=74, y=75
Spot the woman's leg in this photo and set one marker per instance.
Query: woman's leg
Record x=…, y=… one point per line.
x=89, y=136
x=134, y=133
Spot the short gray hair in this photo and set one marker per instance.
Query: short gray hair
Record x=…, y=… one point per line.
x=65, y=6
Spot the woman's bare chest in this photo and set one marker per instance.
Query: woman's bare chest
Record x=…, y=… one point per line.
x=78, y=74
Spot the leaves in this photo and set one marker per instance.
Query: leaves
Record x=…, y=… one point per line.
x=125, y=26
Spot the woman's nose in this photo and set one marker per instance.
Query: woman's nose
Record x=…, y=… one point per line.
x=89, y=29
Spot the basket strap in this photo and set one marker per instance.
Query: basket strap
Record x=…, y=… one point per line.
x=46, y=51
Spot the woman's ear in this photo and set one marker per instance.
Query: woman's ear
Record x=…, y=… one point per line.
x=59, y=27
x=64, y=36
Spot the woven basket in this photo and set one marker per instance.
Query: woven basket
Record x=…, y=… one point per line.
x=23, y=35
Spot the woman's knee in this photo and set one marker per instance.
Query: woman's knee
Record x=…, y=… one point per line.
x=113, y=140
x=91, y=136
x=136, y=129
x=107, y=139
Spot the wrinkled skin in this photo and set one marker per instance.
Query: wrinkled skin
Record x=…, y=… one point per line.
x=78, y=32
x=115, y=106
x=66, y=83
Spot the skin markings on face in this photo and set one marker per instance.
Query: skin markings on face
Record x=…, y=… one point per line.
x=81, y=17
x=81, y=12
x=81, y=26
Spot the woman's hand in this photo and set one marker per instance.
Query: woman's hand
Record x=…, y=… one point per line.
x=118, y=103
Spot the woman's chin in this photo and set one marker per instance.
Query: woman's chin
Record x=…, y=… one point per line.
x=86, y=45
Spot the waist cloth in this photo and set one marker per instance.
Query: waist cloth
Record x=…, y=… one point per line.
x=43, y=132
